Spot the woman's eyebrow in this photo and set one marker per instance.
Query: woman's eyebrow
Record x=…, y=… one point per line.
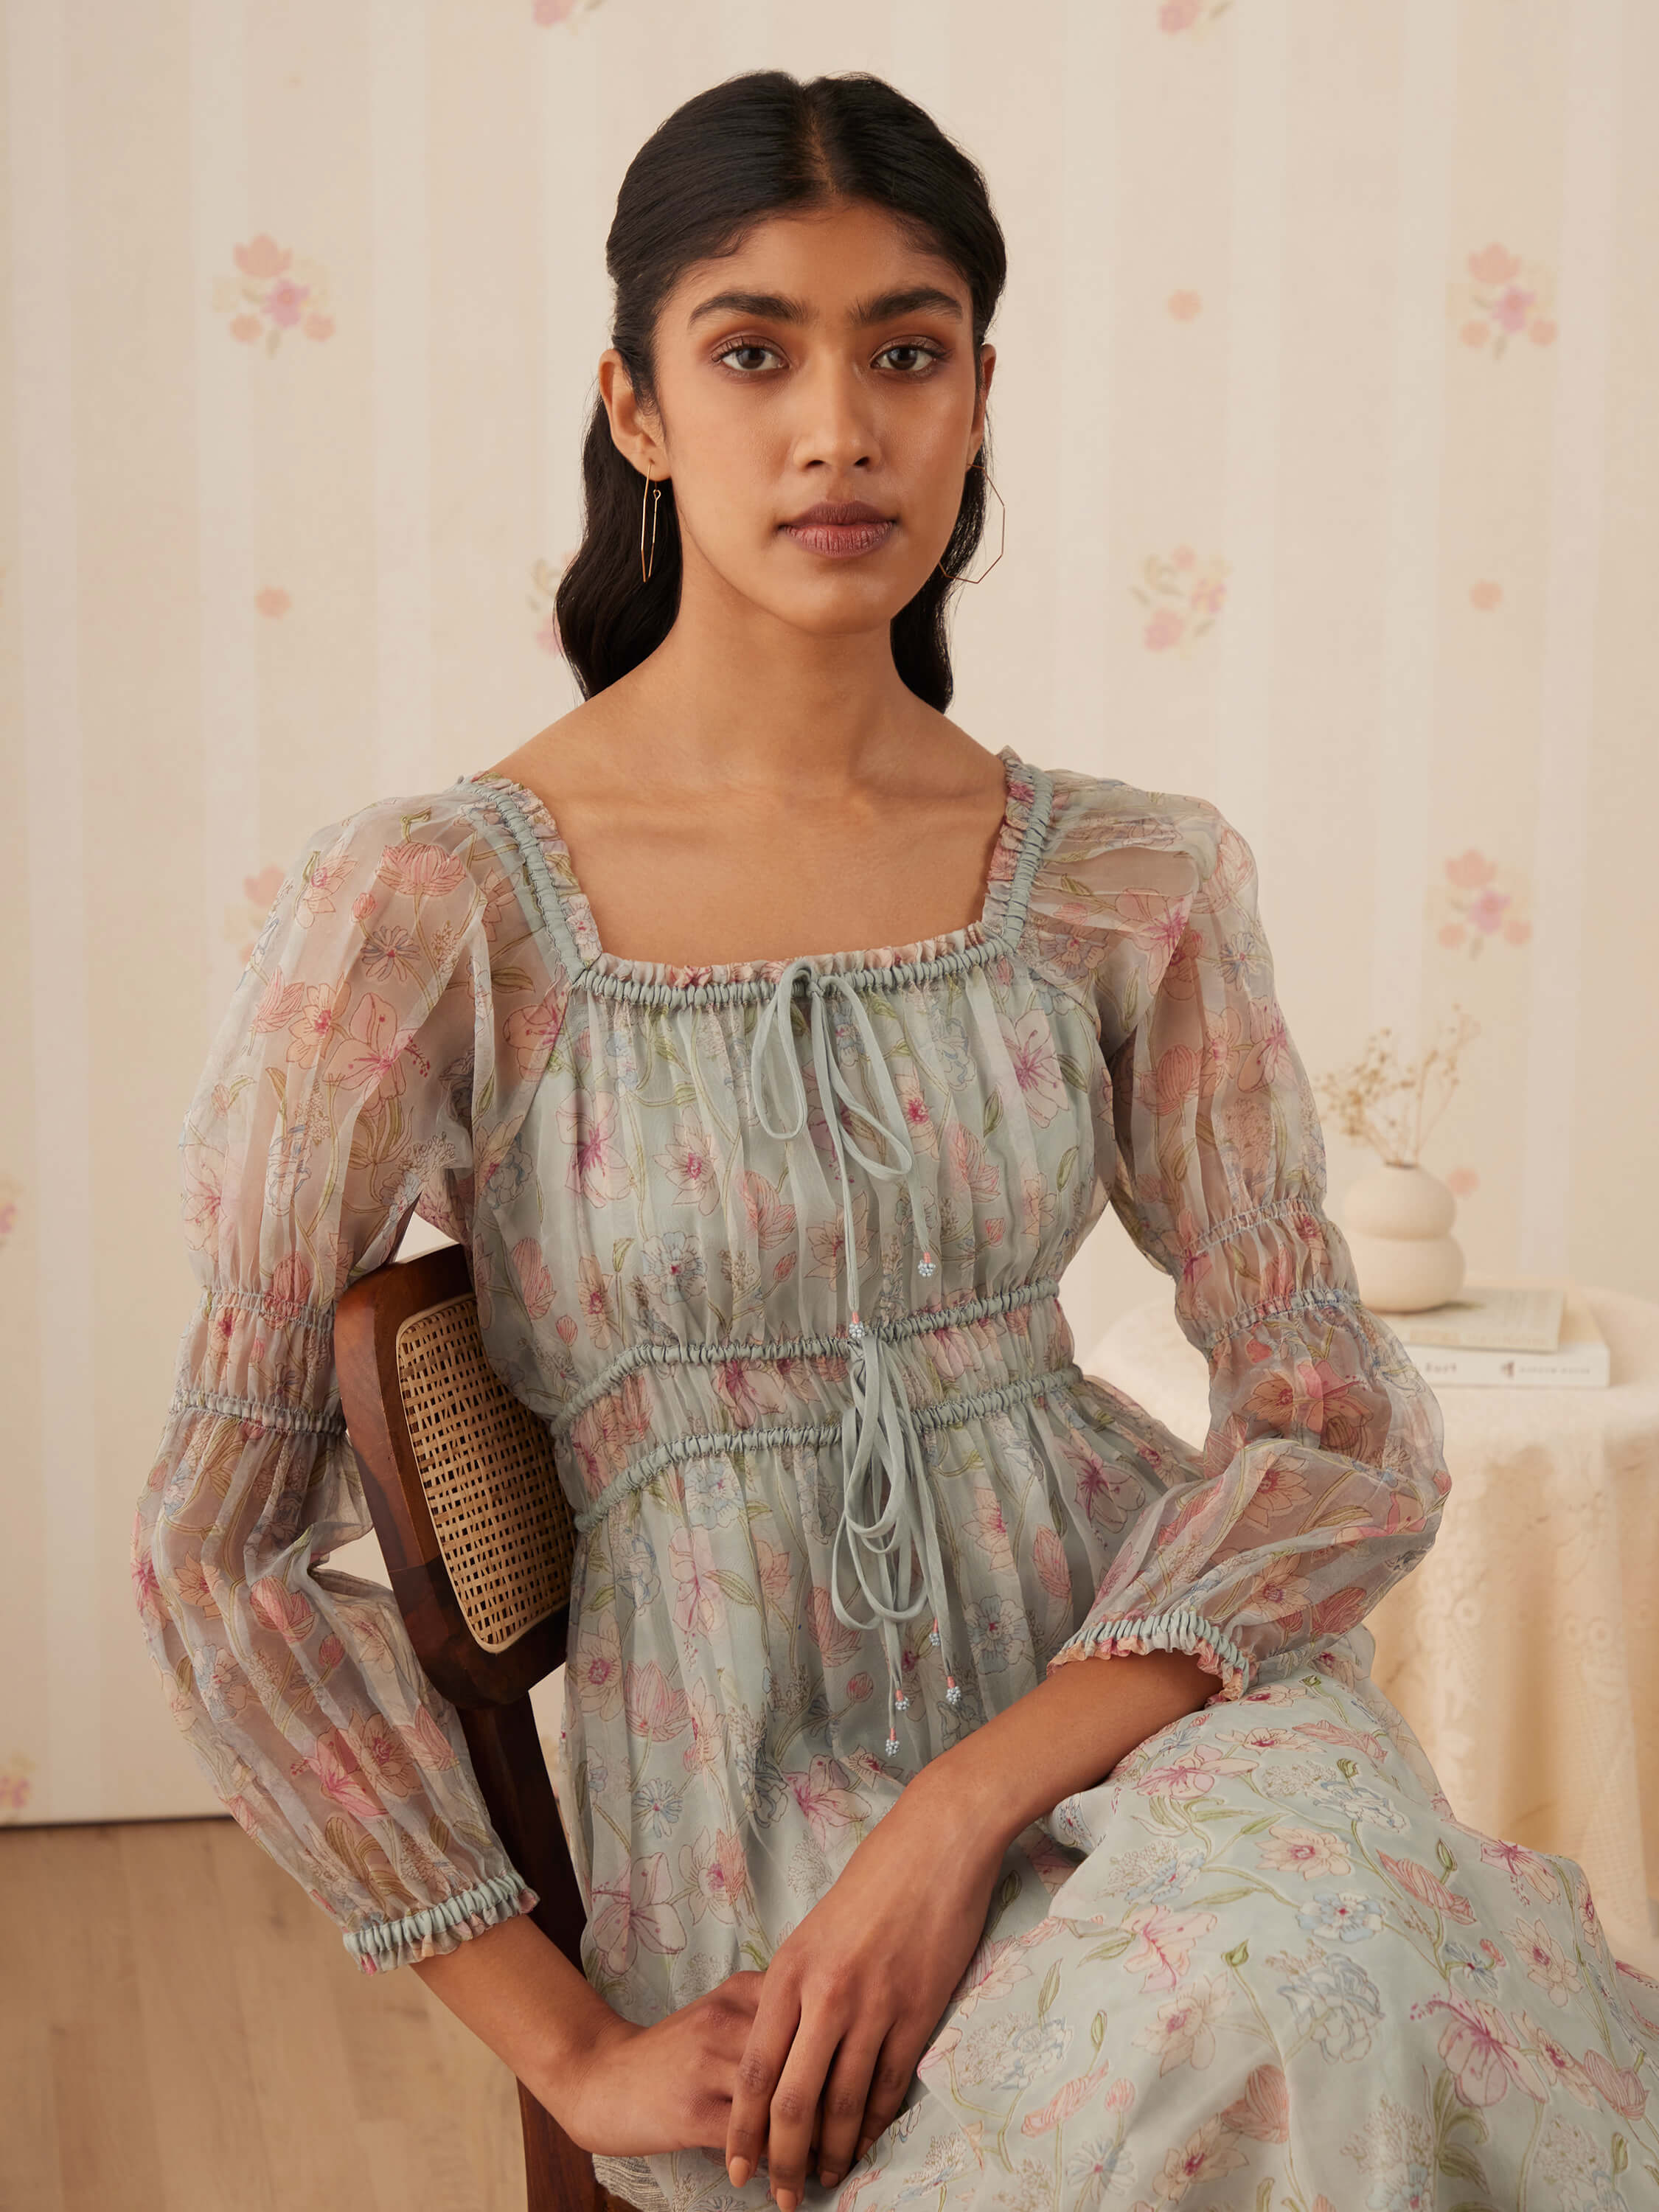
x=886, y=305
x=777, y=307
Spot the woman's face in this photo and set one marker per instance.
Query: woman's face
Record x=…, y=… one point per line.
x=826, y=365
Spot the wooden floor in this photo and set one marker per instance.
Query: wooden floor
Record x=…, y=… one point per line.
x=182, y=2030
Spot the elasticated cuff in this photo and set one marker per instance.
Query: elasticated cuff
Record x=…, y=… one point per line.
x=1184, y=1629
x=437, y=1929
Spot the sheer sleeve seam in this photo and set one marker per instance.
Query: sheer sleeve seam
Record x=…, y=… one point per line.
x=1273, y=1309
x=264, y=1413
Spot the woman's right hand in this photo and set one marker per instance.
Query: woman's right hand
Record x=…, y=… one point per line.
x=614, y=2087
x=664, y=2088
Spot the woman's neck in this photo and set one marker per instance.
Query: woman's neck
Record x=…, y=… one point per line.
x=762, y=703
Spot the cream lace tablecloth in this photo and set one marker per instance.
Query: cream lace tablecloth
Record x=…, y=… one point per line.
x=1524, y=1650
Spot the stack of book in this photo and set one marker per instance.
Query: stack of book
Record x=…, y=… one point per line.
x=1512, y=1335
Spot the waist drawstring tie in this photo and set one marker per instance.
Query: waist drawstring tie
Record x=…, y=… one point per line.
x=881, y=1445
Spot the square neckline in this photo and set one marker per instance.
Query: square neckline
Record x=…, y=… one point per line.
x=1011, y=858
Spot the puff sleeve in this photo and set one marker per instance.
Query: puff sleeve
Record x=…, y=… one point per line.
x=1321, y=1480
x=341, y=1093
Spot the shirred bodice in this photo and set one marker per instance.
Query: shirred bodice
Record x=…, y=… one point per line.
x=815, y=1104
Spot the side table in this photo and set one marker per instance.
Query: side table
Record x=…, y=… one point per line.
x=1524, y=1650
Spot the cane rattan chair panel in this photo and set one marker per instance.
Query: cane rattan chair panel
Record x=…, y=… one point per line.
x=487, y=1468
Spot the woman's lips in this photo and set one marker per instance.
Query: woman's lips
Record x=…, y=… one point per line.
x=841, y=541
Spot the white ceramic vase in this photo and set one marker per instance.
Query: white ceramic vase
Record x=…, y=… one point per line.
x=1398, y=1223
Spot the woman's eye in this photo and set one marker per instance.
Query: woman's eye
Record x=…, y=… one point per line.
x=742, y=357
x=909, y=360
x=750, y=357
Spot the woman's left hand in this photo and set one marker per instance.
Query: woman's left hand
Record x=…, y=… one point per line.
x=852, y=1996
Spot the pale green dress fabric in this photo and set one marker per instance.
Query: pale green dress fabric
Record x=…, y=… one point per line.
x=774, y=1250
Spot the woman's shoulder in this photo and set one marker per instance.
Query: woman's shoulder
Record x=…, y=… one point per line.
x=1097, y=825
x=393, y=886
x=449, y=845
x=445, y=818
x=1121, y=870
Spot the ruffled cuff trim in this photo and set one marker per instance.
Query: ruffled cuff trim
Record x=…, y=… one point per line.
x=1184, y=1629
x=437, y=1929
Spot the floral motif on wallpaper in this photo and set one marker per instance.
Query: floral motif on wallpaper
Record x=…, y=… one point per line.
x=1177, y=15
x=272, y=293
x=1184, y=307
x=1504, y=298
x=10, y=1193
x=16, y=1786
x=273, y=602
x=246, y=918
x=1478, y=902
x=545, y=580
x=546, y=13
x=1182, y=596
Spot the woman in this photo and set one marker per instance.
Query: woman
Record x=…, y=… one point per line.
x=887, y=1890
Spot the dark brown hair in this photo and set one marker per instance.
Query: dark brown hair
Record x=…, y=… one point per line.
x=745, y=149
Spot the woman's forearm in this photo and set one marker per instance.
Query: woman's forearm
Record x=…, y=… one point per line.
x=1064, y=1735
x=518, y=1993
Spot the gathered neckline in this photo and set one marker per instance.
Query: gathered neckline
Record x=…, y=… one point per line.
x=1026, y=795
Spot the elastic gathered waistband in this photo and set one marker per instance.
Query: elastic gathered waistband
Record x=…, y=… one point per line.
x=827, y=1345
x=941, y=1413
x=949, y=1410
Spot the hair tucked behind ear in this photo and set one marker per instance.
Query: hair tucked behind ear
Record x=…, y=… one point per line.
x=750, y=148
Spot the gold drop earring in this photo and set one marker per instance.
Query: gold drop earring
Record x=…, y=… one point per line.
x=646, y=565
x=961, y=576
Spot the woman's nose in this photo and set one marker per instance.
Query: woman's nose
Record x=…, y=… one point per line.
x=837, y=425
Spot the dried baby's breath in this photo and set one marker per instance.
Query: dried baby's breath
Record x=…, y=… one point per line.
x=1376, y=1101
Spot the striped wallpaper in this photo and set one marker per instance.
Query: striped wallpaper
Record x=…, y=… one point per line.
x=1325, y=428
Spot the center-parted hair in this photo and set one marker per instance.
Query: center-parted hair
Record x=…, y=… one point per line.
x=759, y=145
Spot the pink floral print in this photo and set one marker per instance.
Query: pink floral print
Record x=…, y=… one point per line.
x=1183, y=597
x=269, y=294
x=1480, y=902
x=17, y=1786
x=1502, y=298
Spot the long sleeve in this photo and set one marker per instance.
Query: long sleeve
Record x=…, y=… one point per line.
x=340, y=1092
x=1321, y=1480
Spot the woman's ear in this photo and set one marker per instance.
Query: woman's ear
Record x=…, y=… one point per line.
x=988, y=361
x=632, y=427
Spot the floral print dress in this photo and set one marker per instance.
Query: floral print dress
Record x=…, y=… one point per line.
x=775, y=1249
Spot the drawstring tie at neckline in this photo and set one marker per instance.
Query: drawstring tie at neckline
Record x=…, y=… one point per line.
x=881, y=1446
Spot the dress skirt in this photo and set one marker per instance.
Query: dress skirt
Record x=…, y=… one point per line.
x=1262, y=1965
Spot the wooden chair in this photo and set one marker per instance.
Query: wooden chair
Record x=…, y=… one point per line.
x=477, y=1540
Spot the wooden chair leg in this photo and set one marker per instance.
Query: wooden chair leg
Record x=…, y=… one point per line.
x=512, y=1774
x=558, y=2177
